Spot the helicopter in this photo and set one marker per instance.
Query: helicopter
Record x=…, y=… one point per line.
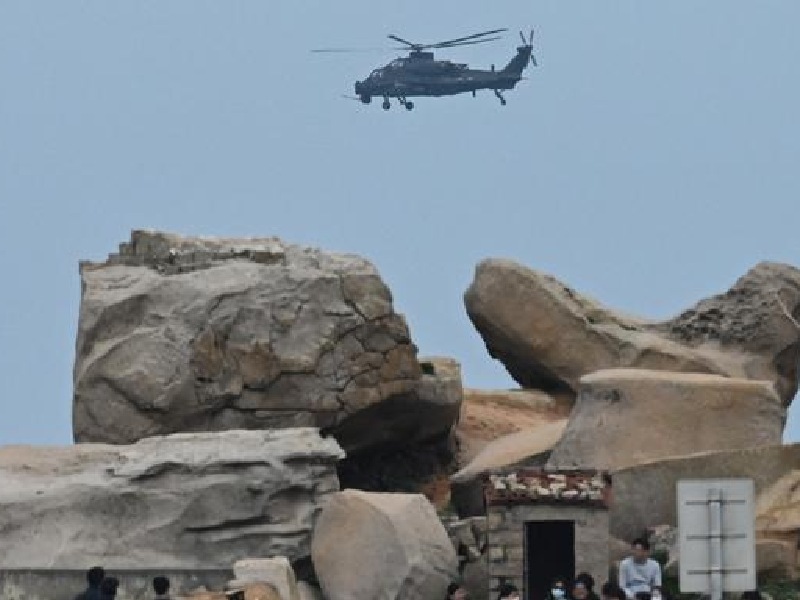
x=420, y=74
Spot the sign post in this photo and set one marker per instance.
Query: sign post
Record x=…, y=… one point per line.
x=716, y=528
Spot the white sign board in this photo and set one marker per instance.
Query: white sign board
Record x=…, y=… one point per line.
x=716, y=529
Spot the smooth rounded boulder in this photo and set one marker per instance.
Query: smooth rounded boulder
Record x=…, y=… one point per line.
x=549, y=335
x=625, y=417
x=379, y=546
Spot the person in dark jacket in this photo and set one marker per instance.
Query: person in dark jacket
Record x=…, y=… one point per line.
x=94, y=577
x=587, y=591
x=108, y=589
x=161, y=587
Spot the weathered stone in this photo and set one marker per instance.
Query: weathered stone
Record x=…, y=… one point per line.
x=397, y=542
x=513, y=449
x=777, y=559
x=189, y=501
x=625, y=417
x=487, y=415
x=204, y=334
x=309, y=592
x=644, y=495
x=276, y=571
x=778, y=507
x=528, y=447
x=548, y=336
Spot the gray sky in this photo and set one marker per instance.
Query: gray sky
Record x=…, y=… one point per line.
x=651, y=159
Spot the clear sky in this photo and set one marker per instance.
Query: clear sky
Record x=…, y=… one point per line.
x=650, y=160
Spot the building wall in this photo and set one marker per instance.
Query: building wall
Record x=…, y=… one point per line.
x=506, y=536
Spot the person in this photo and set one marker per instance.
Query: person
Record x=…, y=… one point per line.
x=558, y=591
x=508, y=592
x=639, y=572
x=94, y=577
x=611, y=591
x=587, y=581
x=455, y=591
x=161, y=588
x=108, y=589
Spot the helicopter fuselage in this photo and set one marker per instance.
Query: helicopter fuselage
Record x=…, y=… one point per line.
x=419, y=74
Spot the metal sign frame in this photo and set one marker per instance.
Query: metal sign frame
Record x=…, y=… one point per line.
x=716, y=528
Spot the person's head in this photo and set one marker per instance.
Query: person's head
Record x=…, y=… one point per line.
x=642, y=596
x=586, y=579
x=109, y=587
x=751, y=595
x=456, y=591
x=508, y=592
x=579, y=590
x=160, y=585
x=641, y=549
x=94, y=576
x=611, y=591
x=558, y=590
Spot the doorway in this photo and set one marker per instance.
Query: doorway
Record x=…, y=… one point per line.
x=549, y=554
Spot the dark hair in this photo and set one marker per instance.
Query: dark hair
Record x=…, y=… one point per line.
x=643, y=596
x=751, y=595
x=586, y=579
x=451, y=589
x=606, y=478
x=160, y=584
x=610, y=590
x=109, y=586
x=640, y=541
x=506, y=590
x=94, y=576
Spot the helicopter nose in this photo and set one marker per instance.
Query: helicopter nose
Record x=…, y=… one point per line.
x=359, y=87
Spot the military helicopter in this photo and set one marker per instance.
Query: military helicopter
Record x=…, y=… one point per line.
x=420, y=74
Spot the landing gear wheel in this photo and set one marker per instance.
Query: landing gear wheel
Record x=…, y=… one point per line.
x=366, y=99
x=409, y=105
x=502, y=101
x=386, y=105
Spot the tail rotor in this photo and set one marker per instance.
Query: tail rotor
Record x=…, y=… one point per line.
x=529, y=42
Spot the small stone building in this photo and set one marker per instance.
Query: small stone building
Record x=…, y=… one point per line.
x=544, y=525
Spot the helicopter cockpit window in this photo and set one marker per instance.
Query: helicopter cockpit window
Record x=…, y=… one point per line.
x=396, y=64
x=377, y=73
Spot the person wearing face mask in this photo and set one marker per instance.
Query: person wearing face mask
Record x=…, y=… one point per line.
x=558, y=591
x=508, y=592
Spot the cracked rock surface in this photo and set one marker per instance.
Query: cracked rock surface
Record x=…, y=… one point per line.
x=205, y=334
x=194, y=500
x=548, y=335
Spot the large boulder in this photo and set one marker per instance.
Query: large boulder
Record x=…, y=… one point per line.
x=644, y=495
x=488, y=415
x=625, y=417
x=397, y=543
x=204, y=334
x=184, y=501
x=548, y=336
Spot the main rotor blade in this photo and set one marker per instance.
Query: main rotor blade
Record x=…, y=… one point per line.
x=475, y=35
x=351, y=49
x=468, y=43
x=402, y=41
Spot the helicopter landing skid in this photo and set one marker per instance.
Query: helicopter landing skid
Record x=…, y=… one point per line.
x=499, y=95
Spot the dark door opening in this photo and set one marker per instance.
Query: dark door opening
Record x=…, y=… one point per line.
x=549, y=555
